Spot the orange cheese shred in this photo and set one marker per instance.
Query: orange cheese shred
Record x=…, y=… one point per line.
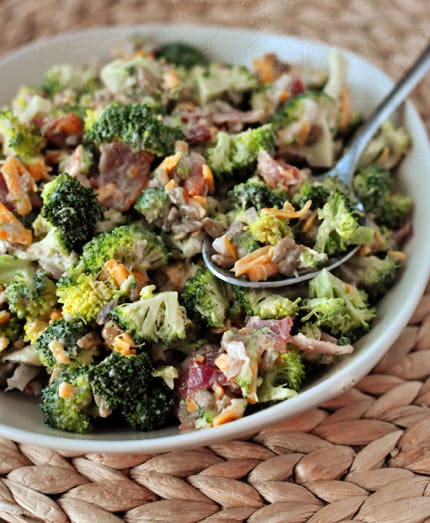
x=11, y=229
x=208, y=177
x=65, y=390
x=18, y=185
x=288, y=215
x=117, y=271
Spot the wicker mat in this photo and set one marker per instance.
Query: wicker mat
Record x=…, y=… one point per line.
x=364, y=456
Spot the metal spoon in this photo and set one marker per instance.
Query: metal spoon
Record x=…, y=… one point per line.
x=344, y=170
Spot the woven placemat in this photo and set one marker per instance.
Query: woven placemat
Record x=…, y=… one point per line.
x=364, y=456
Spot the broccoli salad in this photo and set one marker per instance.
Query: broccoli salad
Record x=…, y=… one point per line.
x=113, y=176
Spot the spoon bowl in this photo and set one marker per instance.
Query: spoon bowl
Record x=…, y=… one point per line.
x=227, y=276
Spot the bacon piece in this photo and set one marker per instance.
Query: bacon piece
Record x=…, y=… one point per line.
x=64, y=131
x=306, y=344
x=123, y=175
x=198, y=134
x=277, y=332
x=195, y=183
x=277, y=174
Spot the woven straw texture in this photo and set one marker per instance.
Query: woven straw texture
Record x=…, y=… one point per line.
x=364, y=456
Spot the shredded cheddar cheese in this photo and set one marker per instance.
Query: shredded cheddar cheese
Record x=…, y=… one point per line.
x=58, y=351
x=65, y=390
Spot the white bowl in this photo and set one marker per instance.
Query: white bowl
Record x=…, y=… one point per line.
x=20, y=418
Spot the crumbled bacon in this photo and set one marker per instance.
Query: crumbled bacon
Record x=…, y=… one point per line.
x=277, y=173
x=124, y=173
x=306, y=344
x=64, y=131
x=198, y=134
x=200, y=372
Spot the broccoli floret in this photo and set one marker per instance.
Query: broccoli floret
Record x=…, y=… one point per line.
x=337, y=306
x=68, y=76
x=158, y=318
x=245, y=243
x=205, y=299
x=339, y=227
x=29, y=292
x=373, y=183
x=11, y=267
x=86, y=162
x=124, y=75
x=131, y=245
x=182, y=54
x=19, y=139
x=65, y=409
x=373, y=274
x=31, y=296
x=151, y=410
x=28, y=104
x=119, y=379
x=295, y=120
x=319, y=192
x=137, y=125
x=314, y=191
x=387, y=147
x=152, y=203
x=284, y=380
x=185, y=247
x=220, y=80
x=374, y=186
x=84, y=297
x=234, y=154
x=298, y=107
x=265, y=304
x=255, y=193
x=10, y=329
x=50, y=252
x=397, y=208
x=309, y=258
x=269, y=229
x=72, y=209
x=58, y=344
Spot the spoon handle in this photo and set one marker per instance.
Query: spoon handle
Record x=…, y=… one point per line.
x=393, y=99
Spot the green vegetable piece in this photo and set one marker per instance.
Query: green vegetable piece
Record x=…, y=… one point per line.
x=138, y=125
x=220, y=80
x=340, y=308
x=182, y=54
x=58, y=344
x=19, y=139
x=373, y=274
x=68, y=76
x=158, y=318
x=235, y=154
x=72, y=209
x=120, y=380
x=339, y=227
x=131, y=245
x=75, y=412
x=85, y=297
x=374, y=187
x=152, y=203
x=28, y=291
x=150, y=410
x=265, y=304
x=284, y=380
x=205, y=299
x=255, y=193
x=269, y=230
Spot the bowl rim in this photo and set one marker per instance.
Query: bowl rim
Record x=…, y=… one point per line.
x=346, y=376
